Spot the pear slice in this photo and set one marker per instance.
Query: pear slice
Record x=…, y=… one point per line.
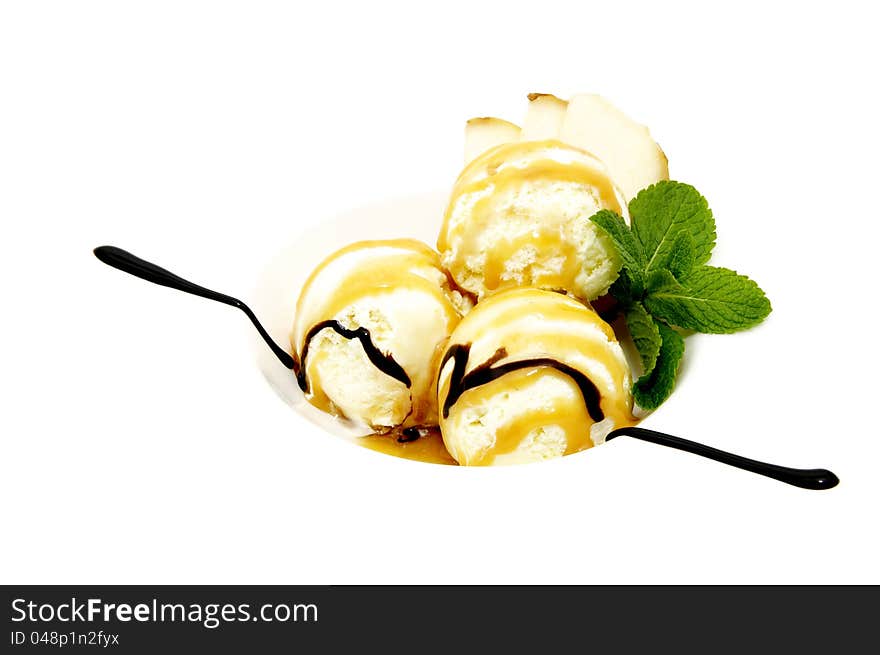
x=543, y=118
x=480, y=134
x=634, y=160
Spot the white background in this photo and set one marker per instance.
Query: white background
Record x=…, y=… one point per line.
x=140, y=444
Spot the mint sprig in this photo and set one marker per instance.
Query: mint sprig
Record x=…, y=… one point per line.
x=665, y=283
x=654, y=387
x=709, y=299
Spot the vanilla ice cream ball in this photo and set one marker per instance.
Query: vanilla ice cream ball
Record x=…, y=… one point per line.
x=529, y=375
x=519, y=216
x=370, y=325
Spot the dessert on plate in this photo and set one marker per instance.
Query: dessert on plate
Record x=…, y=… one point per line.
x=570, y=209
x=490, y=350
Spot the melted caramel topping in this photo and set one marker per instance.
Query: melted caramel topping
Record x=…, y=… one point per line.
x=401, y=244
x=427, y=448
x=383, y=274
x=546, y=243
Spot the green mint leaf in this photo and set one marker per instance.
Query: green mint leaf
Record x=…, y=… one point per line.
x=682, y=256
x=645, y=335
x=665, y=209
x=630, y=250
x=678, y=259
x=709, y=299
x=652, y=389
x=660, y=280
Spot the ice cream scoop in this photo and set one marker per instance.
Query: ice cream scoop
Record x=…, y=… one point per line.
x=519, y=215
x=529, y=375
x=370, y=323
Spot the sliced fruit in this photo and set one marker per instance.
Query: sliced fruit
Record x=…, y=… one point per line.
x=543, y=118
x=633, y=158
x=480, y=134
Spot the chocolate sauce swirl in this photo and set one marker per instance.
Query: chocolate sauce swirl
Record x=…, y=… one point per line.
x=383, y=362
x=489, y=371
x=816, y=479
x=126, y=262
